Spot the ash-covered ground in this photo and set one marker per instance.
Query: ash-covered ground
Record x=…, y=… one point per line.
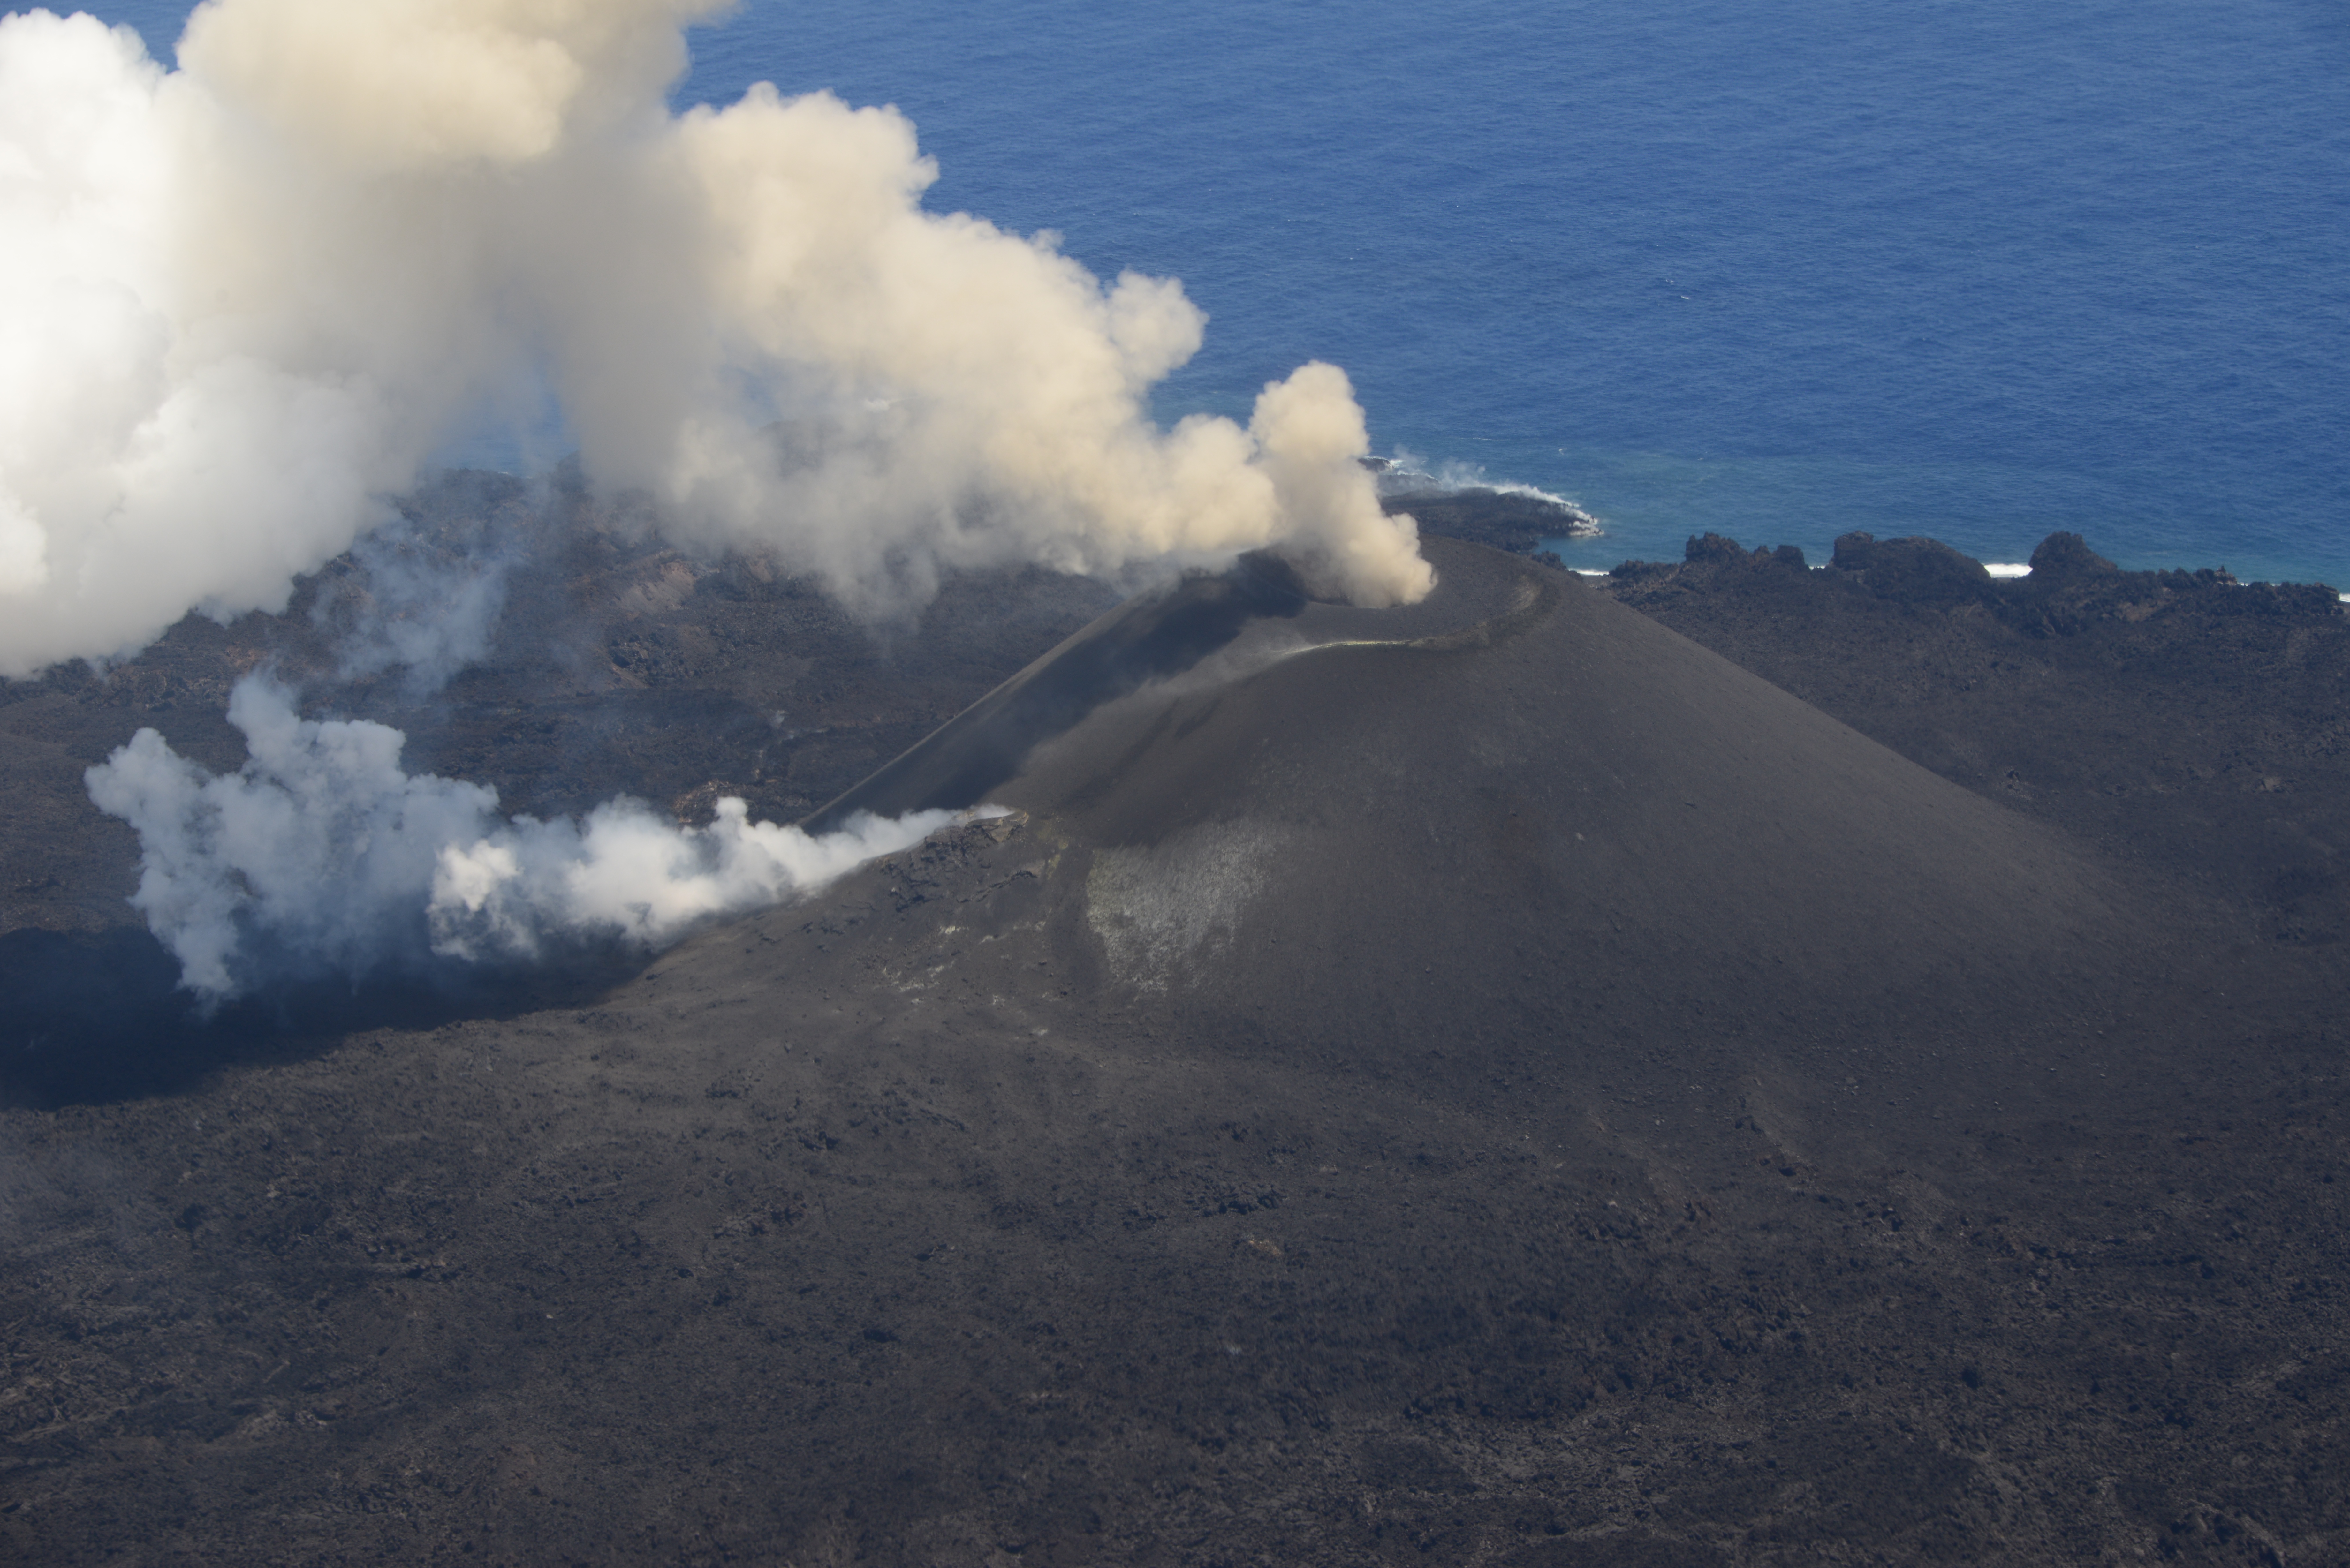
x=1496, y=1084
x=2180, y=718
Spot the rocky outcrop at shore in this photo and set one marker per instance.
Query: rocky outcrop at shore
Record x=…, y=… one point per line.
x=1519, y=521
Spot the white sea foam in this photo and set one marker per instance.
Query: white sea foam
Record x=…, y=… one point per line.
x=1404, y=473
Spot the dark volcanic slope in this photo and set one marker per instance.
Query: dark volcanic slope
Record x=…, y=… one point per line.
x=1521, y=816
x=2179, y=719
x=1486, y=1084
x=1550, y=803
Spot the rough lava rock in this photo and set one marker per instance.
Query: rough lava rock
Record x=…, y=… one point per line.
x=1508, y=1081
x=1911, y=571
x=2063, y=555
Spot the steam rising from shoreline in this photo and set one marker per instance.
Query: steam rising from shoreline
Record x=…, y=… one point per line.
x=322, y=854
x=242, y=301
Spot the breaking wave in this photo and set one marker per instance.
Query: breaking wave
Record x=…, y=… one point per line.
x=1402, y=477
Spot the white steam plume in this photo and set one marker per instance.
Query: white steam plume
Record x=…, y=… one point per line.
x=322, y=854
x=242, y=301
x=427, y=606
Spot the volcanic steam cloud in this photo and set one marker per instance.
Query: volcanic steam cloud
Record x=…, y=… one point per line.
x=244, y=300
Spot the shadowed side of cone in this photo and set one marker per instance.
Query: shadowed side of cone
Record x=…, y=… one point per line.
x=1240, y=618
x=1150, y=637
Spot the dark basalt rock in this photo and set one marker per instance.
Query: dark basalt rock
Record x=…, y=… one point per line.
x=2196, y=720
x=2063, y=555
x=1504, y=520
x=1721, y=549
x=1911, y=571
x=1493, y=1082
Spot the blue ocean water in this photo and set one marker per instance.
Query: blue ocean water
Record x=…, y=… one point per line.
x=1972, y=269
